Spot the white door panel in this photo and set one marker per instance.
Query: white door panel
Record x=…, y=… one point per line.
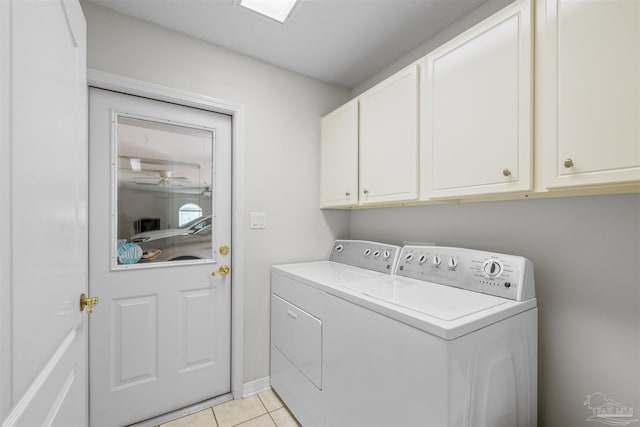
x=44, y=213
x=162, y=339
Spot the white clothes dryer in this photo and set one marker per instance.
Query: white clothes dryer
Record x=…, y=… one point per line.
x=297, y=314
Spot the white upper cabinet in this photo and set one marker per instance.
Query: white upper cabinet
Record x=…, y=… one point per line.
x=389, y=139
x=339, y=157
x=476, y=109
x=589, y=91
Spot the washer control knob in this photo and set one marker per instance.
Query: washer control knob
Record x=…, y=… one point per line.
x=386, y=254
x=367, y=252
x=376, y=253
x=408, y=257
x=492, y=268
x=436, y=261
x=339, y=248
x=452, y=263
x=422, y=259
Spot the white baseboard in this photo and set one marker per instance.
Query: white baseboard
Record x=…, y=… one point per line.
x=254, y=387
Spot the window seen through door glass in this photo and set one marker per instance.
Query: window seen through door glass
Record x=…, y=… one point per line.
x=188, y=212
x=164, y=192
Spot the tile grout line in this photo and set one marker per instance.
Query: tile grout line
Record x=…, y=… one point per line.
x=215, y=419
x=276, y=409
x=272, y=420
x=245, y=421
x=262, y=403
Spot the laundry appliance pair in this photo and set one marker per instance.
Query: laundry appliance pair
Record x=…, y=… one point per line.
x=381, y=335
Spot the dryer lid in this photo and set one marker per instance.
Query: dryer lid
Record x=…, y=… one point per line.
x=325, y=272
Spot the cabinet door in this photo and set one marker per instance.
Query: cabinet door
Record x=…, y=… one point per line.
x=590, y=94
x=339, y=157
x=476, y=115
x=389, y=139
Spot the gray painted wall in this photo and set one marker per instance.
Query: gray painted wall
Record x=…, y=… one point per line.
x=282, y=145
x=586, y=256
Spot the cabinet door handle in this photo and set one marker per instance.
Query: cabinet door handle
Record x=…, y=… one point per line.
x=506, y=172
x=347, y=194
x=292, y=314
x=365, y=191
x=568, y=163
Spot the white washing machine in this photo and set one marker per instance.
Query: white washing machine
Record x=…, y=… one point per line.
x=449, y=340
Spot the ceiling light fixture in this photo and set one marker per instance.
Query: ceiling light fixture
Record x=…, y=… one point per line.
x=278, y=10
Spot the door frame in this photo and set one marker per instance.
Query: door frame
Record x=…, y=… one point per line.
x=114, y=82
x=5, y=216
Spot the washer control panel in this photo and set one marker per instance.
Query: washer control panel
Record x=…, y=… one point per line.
x=370, y=255
x=505, y=276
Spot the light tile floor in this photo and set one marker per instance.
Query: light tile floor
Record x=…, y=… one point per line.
x=262, y=410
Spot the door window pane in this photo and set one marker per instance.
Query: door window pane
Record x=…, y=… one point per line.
x=164, y=175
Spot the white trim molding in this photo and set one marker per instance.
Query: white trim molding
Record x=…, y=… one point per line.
x=6, y=273
x=117, y=83
x=255, y=387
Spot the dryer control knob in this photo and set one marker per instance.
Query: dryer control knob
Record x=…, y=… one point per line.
x=422, y=259
x=453, y=263
x=367, y=252
x=436, y=261
x=386, y=254
x=408, y=257
x=339, y=248
x=376, y=253
x=492, y=268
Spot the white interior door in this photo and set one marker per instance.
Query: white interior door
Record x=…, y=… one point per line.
x=43, y=213
x=160, y=339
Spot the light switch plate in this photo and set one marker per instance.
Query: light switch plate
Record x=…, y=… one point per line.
x=258, y=220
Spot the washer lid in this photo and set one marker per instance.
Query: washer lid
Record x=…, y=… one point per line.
x=442, y=302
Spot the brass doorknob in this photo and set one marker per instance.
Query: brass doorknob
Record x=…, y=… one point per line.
x=224, y=250
x=223, y=270
x=88, y=302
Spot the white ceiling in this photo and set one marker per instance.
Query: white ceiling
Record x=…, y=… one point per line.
x=338, y=41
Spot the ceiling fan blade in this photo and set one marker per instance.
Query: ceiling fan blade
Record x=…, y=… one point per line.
x=161, y=162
